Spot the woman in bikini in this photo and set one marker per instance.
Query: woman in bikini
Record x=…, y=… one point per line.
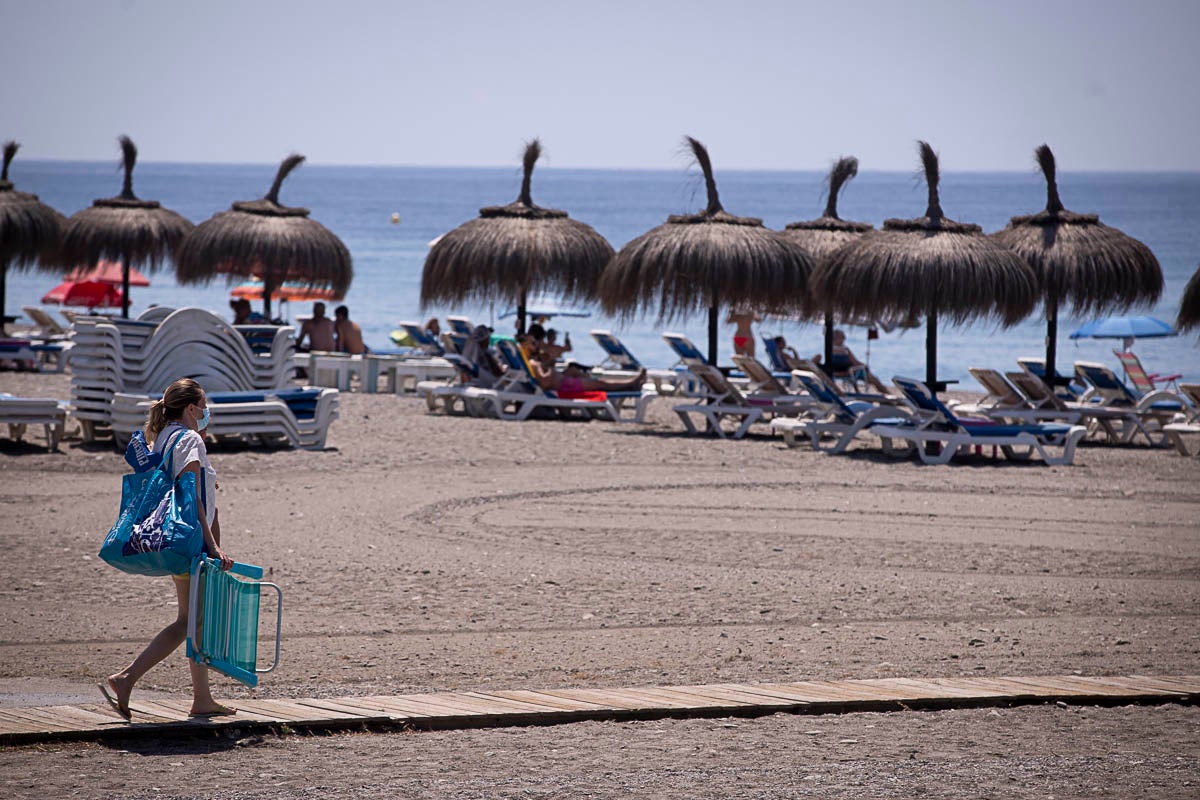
x=743, y=334
x=176, y=419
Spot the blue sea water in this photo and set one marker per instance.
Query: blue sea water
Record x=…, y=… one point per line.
x=356, y=203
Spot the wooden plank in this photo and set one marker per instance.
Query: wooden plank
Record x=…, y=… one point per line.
x=763, y=693
x=482, y=709
x=1115, y=686
x=823, y=692
x=1022, y=690
x=1187, y=683
x=277, y=710
x=549, y=700
x=659, y=700
x=725, y=692
x=925, y=690
x=349, y=711
x=702, y=701
x=303, y=713
x=39, y=721
x=16, y=724
x=84, y=718
x=370, y=705
x=157, y=711
x=409, y=704
x=547, y=706
x=613, y=698
x=1048, y=683
x=1144, y=685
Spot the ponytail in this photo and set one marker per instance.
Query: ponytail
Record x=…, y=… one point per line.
x=156, y=421
x=178, y=396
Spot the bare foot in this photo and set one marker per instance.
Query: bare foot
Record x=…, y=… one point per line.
x=120, y=688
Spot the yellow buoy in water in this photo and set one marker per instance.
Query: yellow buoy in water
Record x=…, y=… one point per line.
x=395, y=218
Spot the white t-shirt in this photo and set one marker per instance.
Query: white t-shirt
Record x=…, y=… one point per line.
x=188, y=449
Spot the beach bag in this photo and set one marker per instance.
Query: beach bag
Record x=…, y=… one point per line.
x=158, y=531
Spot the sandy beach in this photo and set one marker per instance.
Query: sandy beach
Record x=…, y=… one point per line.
x=420, y=552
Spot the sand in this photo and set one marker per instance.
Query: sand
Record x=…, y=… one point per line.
x=427, y=553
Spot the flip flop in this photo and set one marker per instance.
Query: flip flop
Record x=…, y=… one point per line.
x=228, y=712
x=105, y=689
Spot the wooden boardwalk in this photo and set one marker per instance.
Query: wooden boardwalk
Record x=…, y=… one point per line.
x=451, y=710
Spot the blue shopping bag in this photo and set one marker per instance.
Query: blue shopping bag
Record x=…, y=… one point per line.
x=158, y=531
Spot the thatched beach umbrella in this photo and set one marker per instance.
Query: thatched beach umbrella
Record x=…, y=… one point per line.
x=511, y=252
x=1189, y=305
x=264, y=239
x=931, y=267
x=824, y=236
x=124, y=229
x=1079, y=260
x=696, y=262
x=29, y=229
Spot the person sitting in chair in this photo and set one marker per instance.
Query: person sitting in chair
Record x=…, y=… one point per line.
x=846, y=365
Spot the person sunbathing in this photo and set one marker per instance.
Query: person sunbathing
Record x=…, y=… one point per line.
x=571, y=382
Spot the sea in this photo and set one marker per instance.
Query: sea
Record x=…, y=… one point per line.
x=359, y=204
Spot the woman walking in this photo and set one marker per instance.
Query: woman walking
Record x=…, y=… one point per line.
x=175, y=421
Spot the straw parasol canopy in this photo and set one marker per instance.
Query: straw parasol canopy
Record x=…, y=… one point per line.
x=1079, y=260
x=695, y=262
x=824, y=236
x=1189, y=306
x=511, y=252
x=124, y=229
x=932, y=267
x=30, y=230
x=264, y=239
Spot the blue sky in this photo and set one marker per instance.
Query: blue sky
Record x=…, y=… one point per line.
x=767, y=85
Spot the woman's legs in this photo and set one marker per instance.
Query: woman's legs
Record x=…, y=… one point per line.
x=161, y=646
x=596, y=385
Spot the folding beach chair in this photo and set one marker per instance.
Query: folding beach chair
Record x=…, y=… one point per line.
x=223, y=619
x=1142, y=381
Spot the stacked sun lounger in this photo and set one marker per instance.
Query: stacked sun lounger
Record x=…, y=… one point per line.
x=144, y=356
x=297, y=417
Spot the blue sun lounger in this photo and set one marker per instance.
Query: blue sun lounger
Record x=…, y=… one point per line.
x=835, y=417
x=933, y=422
x=223, y=619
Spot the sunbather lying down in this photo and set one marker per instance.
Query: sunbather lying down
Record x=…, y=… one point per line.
x=555, y=380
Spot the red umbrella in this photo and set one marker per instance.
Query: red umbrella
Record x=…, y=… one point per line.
x=296, y=292
x=109, y=272
x=91, y=294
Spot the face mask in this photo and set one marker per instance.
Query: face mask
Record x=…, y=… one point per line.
x=202, y=423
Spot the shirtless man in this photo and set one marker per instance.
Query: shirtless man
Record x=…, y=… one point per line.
x=349, y=335
x=319, y=330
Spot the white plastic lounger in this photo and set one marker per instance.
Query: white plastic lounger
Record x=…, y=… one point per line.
x=724, y=403
x=934, y=423
x=19, y=412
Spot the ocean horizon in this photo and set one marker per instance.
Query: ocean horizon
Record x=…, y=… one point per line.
x=357, y=202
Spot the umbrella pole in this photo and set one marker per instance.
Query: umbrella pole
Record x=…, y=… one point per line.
x=125, y=289
x=931, y=351
x=827, y=366
x=521, y=314
x=3, y=298
x=712, y=330
x=1051, y=341
x=268, y=288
